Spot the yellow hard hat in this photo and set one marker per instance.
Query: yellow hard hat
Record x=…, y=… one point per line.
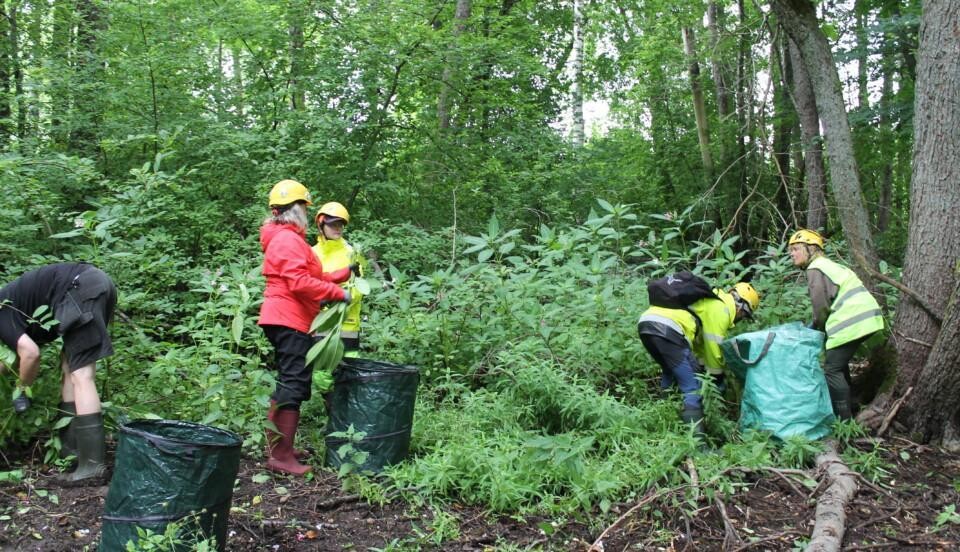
x=810, y=237
x=749, y=295
x=332, y=210
x=286, y=192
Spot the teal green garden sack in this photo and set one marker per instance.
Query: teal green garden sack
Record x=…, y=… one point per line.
x=784, y=390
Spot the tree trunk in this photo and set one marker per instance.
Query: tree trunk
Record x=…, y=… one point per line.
x=715, y=27
x=83, y=135
x=933, y=242
x=813, y=169
x=799, y=18
x=863, y=50
x=460, y=17
x=13, y=17
x=6, y=65
x=296, y=17
x=932, y=412
x=784, y=123
x=699, y=105
x=576, y=67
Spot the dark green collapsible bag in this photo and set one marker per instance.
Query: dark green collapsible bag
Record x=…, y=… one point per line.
x=169, y=471
x=378, y=399
x=784, y=390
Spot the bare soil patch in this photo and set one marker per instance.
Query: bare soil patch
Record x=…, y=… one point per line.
x=288, y=514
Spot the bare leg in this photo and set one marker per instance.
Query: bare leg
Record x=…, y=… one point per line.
x=28, y=355
x=85, y=390
x=66, y=384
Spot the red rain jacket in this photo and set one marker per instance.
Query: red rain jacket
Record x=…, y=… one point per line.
x=296, y=283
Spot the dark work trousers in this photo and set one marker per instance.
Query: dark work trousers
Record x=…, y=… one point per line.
x=836, y=369
x=294, y=377
x=677, y=364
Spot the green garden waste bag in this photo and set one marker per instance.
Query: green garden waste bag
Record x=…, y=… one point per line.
x=171, y=472
x=376, y=398
x=784, y=390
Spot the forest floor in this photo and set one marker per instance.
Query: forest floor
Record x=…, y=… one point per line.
x=913, y=509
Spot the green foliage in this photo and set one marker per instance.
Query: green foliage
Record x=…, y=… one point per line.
x=946, y=516
x=798, y=452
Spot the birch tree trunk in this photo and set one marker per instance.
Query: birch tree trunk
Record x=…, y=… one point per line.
x=799, y=19
x=576, y=67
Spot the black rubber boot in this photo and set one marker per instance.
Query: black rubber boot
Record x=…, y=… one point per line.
x=91, y=452
x=841, y=409
x=68, y=441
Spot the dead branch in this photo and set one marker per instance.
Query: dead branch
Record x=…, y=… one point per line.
x=786, y=480
x=336, y=501
x=862, y=261
x=877, y=519
x=893, y=412
x=597, y=545
x=766, y=539
x=730, y=536
x=694, y=478
x=830, y=518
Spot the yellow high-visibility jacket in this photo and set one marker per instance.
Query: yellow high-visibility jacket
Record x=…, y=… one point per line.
x=334, y=255
x=716, y=319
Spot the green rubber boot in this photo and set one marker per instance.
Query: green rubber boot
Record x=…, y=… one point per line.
x=91, y=453
x=68, y=441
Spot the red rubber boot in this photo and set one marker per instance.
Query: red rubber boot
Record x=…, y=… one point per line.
x=297, y=453
x=280, y=444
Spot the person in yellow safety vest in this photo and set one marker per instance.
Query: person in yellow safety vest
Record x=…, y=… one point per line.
x=335, y=253
x=842, y=308
x=681, y=340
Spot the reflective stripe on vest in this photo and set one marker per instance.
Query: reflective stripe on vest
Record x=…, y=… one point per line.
x=854, y=312
x=663, y=320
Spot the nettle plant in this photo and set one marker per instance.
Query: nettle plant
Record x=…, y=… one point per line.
x=215, y=367
x=530, y=358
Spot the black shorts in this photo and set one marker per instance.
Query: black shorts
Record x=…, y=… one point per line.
x=84, y=313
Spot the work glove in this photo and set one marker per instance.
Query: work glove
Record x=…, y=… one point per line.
x=346, y=296
x=355, y=269
x=21, y=403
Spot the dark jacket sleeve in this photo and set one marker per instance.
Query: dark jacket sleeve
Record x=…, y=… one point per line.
x=822, y=294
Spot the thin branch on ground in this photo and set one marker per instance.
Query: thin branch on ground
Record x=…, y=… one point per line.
x=730, y=536
x=893, y=412
x=767, y=539
x=597, y=545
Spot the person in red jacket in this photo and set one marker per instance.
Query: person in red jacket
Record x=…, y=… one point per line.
x=296, y=287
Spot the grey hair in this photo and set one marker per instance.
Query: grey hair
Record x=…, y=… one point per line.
x=295, y=215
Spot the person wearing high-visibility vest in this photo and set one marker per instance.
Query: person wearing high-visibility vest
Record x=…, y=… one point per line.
x=681, y=340
x=842, y=308
x=334, y=253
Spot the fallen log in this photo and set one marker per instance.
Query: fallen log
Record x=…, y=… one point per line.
x=831, y=514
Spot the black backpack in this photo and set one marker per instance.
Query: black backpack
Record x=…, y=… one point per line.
x=679, y=290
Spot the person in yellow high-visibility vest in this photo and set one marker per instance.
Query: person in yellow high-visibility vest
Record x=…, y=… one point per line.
x=683, y=340
x=842, y=308
x=334, y=254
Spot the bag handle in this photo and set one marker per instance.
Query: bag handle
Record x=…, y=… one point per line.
x=172, y=449
x=763, y=352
